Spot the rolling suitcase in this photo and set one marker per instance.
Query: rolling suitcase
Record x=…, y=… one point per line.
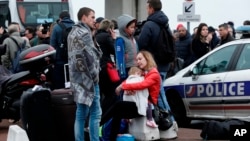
x=63, y=108
x=36, y=114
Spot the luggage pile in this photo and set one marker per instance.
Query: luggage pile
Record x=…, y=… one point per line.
x=48, y=115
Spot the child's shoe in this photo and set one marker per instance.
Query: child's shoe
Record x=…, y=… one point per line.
x=151, y=123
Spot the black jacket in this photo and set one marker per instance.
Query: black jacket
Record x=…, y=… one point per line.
x=199, y=48
x=106, y=43
x=227, y=39
x=150, y=32
x=183, y=48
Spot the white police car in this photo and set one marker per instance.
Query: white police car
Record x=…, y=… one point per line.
x=216, y=86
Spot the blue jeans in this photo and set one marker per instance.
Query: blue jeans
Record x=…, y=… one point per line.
x=162, y=100
x=94, y=112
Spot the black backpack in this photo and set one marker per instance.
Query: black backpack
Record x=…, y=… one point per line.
x=164, y=51
x=62, y=51
x=218, y=130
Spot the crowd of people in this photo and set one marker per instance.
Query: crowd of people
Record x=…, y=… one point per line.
x=91, y=46
x=203, y=39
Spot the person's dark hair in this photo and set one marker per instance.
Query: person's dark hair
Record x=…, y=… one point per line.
x=224, y=25
x=246, y=22
x=198, y=33
x=211, y=29
x=99, y=20
x=133, y=21
x=84, y=11
x=31, y=30
x=155, y=4
x=64, y=14
x=231, y=23
x=115, y=23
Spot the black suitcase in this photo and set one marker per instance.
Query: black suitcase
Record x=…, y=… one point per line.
x=64, y=108
x=36, y=114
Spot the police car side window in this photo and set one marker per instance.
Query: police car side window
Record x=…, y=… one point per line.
x=243, y=62
x=216, y=62
x=202, y=67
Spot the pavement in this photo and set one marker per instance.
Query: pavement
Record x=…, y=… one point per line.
x=184, y=134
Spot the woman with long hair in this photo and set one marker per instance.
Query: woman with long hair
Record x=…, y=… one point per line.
x=201, y=41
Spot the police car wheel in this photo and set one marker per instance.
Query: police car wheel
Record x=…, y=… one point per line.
x=178, y=109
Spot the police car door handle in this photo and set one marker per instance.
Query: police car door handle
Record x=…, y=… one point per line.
x=217, y=80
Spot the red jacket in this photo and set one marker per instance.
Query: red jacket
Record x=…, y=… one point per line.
x=152, y=81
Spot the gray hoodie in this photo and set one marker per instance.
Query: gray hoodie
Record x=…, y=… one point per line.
x=131, y=48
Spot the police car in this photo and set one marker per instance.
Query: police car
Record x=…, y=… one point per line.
x=216, y=86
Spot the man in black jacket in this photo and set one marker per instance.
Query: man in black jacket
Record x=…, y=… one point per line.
x=225, y=36
x=56, y=41
x=149, y=36
x=183, y=45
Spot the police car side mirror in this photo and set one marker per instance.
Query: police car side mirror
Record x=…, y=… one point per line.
x=194, y=72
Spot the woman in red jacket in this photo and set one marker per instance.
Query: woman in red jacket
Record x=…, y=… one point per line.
x=128, y=109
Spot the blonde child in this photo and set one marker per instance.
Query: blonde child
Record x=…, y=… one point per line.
x=140, y=97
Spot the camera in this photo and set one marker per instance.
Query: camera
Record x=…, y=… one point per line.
x=46, y=27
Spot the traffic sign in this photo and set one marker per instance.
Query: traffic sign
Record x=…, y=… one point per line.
x=188, y=8
x=188, y=18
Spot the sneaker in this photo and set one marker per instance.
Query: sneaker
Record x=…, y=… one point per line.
x=151, y=123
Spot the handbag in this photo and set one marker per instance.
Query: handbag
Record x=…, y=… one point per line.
x=112, y=72
x=162, y=118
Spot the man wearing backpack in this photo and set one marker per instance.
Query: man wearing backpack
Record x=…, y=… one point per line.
x=12, y=43
x=56, y=40
x=148, y=39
